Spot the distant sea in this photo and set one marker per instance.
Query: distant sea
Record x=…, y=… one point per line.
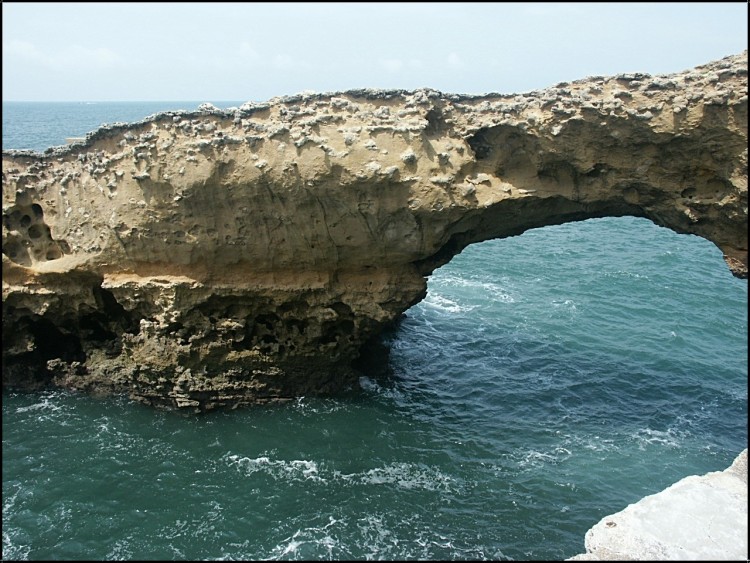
x=546, y=381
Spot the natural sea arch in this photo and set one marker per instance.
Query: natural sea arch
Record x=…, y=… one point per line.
x=616, y=294
x=599, y=362
x=618, y=266
x=217, y=258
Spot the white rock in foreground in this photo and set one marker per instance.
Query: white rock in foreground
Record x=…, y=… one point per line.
x=698, y=518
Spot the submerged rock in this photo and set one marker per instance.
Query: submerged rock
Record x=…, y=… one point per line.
x=225, y=257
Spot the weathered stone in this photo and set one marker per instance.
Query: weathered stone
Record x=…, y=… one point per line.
x=698, y=518
x=226, y=269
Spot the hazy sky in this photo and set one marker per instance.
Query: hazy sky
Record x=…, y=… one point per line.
x=254, y=51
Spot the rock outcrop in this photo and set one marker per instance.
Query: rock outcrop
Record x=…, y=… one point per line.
x=701, y=517
x=224, y=257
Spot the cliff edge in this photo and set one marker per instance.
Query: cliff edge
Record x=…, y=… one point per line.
x=698, y=518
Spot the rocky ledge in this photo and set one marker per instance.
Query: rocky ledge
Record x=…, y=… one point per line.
x=218, y=258
x=698, y=518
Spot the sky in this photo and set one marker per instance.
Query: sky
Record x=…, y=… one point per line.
x=133, y=51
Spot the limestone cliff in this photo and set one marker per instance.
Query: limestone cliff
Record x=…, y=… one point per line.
x=217, y=258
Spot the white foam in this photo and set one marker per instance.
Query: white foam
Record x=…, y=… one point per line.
x=120, y=551
x=626, y=274
x=437, y=301
x=318, y=405
x=290, y=547
x=534, y=459
x=13, y=552
x=403, y=475
x=598, y=444
x=494, y=291
x=399, y=474
x=312, y=535
x=647, y=436
x=178, y=553
x=567, y=305
x=296, y=469
x=44, y=405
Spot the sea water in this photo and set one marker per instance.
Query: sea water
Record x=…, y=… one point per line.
x=546, y=381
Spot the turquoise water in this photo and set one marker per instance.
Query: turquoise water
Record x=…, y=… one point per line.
x=546, y=381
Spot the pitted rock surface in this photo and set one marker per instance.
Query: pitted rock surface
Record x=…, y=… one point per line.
x=225, y=257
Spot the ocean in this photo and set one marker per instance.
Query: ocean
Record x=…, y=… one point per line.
x=546, y=381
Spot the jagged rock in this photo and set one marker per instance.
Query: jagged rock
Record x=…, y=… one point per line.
x=701, y=517
x=218, y=258
x=207, y=107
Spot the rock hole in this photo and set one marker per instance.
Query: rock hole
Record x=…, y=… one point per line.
x=342, y=309
x=597, y=171
x=50, y=342
x=480, y=145
x=688, y=193
x=114, y=312
x=435, y=122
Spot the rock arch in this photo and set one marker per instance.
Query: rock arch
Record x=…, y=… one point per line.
x=217, y=258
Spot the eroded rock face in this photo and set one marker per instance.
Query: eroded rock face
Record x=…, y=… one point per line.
x=218, y=258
